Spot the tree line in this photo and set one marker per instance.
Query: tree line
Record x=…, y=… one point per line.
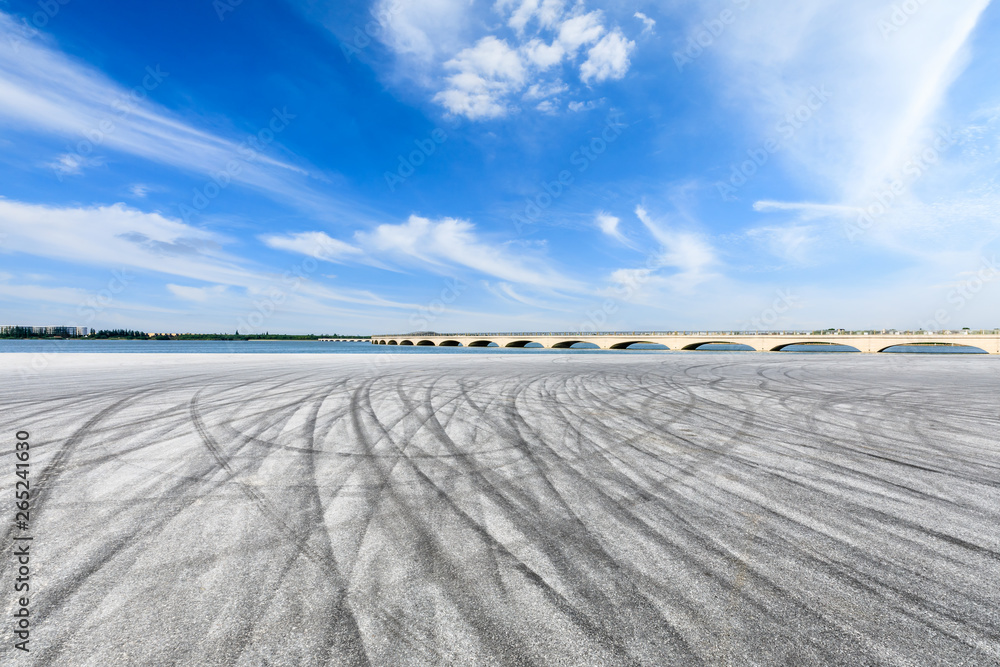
x=119, y=333
x=132, y=334
x=125, y=333
x=22, y=332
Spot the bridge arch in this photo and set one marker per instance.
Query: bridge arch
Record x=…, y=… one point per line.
x=481, y=343
x=426, y=343
x=819, y=345
x=523, y=343
x=695, y=346
x=381, y=342
x=627, y=344
x=449, y=343
x=406, y=342
x=566, y=344
x=964, y=349
x=392, y=342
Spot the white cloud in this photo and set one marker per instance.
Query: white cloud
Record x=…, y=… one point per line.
x=45, y=91
x=539, y=91
x=508, y=293
x=547, y=106
x=686, y=252
x=631, y=278
x=108, y=235
x=891, y=99
x=647, y=22
x=72, y=164
x=806, y=208
x=581, y=30
x=479, y=77
x=139, y=190
x=439, y=245
x=314, y=244
x=608, y=224
x=608, y=59
x=886, y=91
x=794, y=243
x=520, y=16
x=76, y=297
x=484, y=75
x=448, y=242
x=547, y=12
x=543, y=55
x=423, y=30
x=118, y=236
x=584, y=106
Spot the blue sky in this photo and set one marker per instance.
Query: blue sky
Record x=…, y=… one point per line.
x=484, y=165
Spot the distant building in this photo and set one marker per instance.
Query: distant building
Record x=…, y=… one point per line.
x=66, y=332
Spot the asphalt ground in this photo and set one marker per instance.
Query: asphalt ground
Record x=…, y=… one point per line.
x=557, y=509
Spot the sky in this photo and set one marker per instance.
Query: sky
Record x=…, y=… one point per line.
x=300, y=166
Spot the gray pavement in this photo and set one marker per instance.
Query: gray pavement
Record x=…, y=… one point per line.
x=657, y=509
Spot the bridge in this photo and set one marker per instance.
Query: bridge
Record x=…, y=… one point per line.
x=869, y=342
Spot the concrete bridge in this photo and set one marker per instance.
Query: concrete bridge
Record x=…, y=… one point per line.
x=761, y=342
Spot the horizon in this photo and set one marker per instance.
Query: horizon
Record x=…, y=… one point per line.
x=500, y=166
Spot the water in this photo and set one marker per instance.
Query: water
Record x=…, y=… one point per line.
x=923, y=349
x=258, y=347
x=323, y=347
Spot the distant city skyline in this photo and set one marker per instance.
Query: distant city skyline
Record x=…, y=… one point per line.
x=509, y=165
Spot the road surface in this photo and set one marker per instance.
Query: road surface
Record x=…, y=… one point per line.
x=656, y=509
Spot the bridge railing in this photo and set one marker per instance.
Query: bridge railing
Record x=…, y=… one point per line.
x=581, y=334
x=584, y=334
